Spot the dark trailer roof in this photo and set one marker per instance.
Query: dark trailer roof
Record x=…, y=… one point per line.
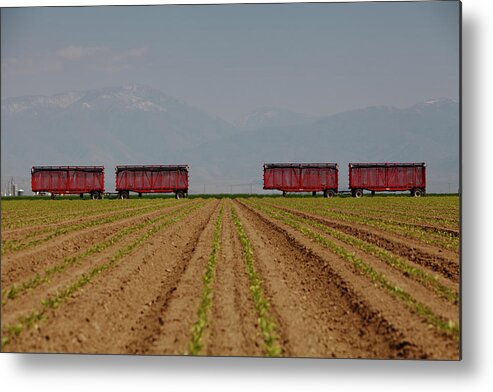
x=388, y=164
x=154, y=168
x=59, y=168
x=313, y=165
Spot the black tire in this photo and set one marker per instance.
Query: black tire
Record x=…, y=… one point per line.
x=81, y=195
x=94, y=195
x=329, y=193
x=179, y=195
x=417, y=192
x=284, y=193
x=123, y=195
x=358, y=193
x=53, y=196
x=373, y=193
x=314, y=193
x=140, y=194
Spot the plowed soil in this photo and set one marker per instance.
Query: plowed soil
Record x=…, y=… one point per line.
x=136, y=285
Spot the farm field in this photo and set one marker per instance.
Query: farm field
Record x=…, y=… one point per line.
x=376, y=277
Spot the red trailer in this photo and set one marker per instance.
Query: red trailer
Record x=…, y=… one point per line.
x=65, y=180
x=302, y=177
x=377, y=177
x=152, y=179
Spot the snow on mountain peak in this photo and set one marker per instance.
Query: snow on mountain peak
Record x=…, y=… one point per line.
x=130, y=97
x=440, y=101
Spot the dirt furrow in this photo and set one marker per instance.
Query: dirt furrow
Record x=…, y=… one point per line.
x=443, y=262
x=36, y=238
x=24, y=264
x=102, y=316
x=233, y=323
x=405, y=215
x=442, y=230
x=405, y=333
x=317, y=315
x=425, y=295
x=175, y=311
x=15, y=307
x=34, y=231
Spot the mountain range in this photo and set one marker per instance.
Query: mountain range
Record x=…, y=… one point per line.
x=138, y=124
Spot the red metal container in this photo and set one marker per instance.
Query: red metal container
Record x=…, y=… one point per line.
x=302, y=177
x=68, y=180
x=152, y=179
x=377, y=177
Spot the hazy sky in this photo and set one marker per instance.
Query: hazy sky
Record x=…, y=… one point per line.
x=230, y=59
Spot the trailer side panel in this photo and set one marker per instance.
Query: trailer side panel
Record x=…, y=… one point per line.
x=387, y=176
x=300, y=177
x=152, y=179
x=67, y=179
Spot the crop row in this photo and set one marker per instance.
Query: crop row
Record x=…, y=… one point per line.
x=35, y=231
x=443, y=240
x=58, y=216
x=16, y=245
x=428, y=207
x=195, y=346
x=54, y=301
x=378, y=278
x=408, y=222
x=24, y=209
x=403, y=266
x=266, y=323
x=39, y=279
x=409, y=216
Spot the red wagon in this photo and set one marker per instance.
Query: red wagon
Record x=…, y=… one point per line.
x=59, y=180
x=378, y=177
x=152, y=179
x=302, y=177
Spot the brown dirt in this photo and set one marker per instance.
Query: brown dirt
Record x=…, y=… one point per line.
x=315, y=317
x=423, y=294
x=35, y=231
x=405, y=330
x=166, y=327
x=443, y=220
x=21, y=265
x=233, y=327
x=15, y=308
x=147, y=302
x=443, y=262
x=25, y=235
x=436, y=229
x=103, y=316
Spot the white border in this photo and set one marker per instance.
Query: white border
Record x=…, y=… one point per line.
x=125, y=373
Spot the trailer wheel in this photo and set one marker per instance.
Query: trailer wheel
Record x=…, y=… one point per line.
x=81, y=195
x=358, y=193
x=417, y=192
x=123, y=195
x=95, y=195
x=329, y=193
x=53, y=196
x=283, y=193
x=314, y=193
x=179, y=195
